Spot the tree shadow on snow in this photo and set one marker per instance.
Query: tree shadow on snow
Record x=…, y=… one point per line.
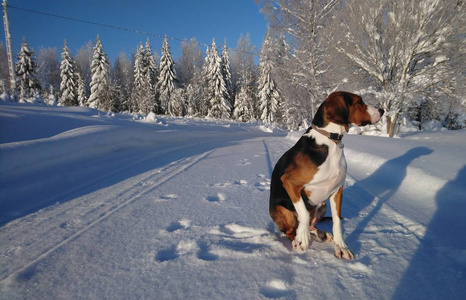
x=382, y=184
x=438, y=268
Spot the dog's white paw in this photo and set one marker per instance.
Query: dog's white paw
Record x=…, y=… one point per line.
x=343, y=252
x=302, y=240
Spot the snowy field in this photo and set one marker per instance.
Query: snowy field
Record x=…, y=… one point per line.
x=108, y=207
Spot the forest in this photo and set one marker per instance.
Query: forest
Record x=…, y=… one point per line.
x=405, y=56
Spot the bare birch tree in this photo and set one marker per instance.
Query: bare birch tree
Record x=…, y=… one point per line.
x=303, y=22
x=403, y=47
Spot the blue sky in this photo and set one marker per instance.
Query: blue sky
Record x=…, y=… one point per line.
x=201, y=19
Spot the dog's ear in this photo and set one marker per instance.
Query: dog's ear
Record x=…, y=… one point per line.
x=337, y=109
x=319, y=120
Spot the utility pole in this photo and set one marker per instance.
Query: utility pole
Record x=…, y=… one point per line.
x=8, y=48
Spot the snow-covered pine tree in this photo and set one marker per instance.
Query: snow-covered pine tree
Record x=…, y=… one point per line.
x=81, y=91
x=100, y=97
x=68, y=74
x=268, y=94
x=196, y=105
x=122, y=78
x=281, y=58
x=151, y=77
x=226, y=72
x=140, y=87
x=177, y=102
x=205, y=89
x=305, y=24
x=193, y=97
x=245, y=72
x=26, y=71
x=167, y=79
x=189, y=70
x=144, y=98
x=243, y=106
x=51, y=97
x=220, y=106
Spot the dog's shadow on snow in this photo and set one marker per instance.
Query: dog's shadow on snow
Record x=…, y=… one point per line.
x=383, y=184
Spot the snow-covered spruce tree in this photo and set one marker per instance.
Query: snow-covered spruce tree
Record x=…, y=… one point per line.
x=167, y=79
x=144, y=96
x=305, y=25
x=193, y=97
x=205, y=89
x=100, y=97
x=151, y=76
x=245, y=74
x=195, y=104
x=226, y=72
x=219, y=105
x=407, y=49
x=26, y=71
x=140, y=85
x=243, y=106
x=280, y=59
x=68, y=74
x=189, y=70
x=122, y=78
x=177, y=104
x=51, y=97
x=268, y=94
x=81, y=91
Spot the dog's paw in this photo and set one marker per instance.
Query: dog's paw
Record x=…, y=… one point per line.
x=343, y=252
x=329, y=238
x=302, y=240
x=322, y=236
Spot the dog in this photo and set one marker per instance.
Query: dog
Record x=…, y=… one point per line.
x=314, y=170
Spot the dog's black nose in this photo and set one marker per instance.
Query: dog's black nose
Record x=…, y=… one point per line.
x=381, y=111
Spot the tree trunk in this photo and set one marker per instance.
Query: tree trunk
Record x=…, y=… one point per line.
x=391, y=125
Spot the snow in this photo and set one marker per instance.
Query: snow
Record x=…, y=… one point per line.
x=95, y=206
x=440, y=59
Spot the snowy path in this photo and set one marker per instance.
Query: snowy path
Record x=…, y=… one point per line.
x=199, y=226
x=151, y=201
x=189, y=219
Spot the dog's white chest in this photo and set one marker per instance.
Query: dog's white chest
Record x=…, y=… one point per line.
x=329, y=177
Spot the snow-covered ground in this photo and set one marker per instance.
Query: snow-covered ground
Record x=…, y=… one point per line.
x=108, y=207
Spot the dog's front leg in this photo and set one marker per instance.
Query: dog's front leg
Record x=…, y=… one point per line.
x=341, y=250
x=303, y=235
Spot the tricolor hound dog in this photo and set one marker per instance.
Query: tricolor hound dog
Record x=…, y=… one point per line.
x=314, y=170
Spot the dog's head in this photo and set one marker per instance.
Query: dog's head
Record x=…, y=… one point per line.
x=344, y=108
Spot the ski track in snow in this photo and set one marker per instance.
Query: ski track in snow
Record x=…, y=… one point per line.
x=149, y=183
x=197, y=226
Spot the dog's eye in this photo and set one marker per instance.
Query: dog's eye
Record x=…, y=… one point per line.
x=360, y=102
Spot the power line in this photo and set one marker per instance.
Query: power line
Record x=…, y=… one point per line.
x=112, y=26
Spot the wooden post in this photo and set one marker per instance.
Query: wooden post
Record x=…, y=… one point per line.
x=8, y=48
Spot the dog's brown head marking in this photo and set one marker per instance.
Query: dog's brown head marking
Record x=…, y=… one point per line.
x=345, y=108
